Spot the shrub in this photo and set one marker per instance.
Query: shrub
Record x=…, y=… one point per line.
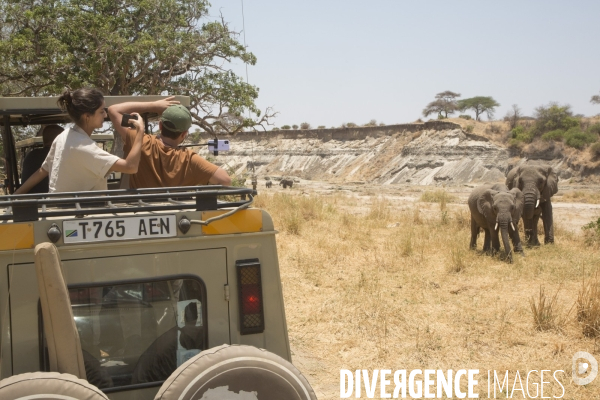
x=286, y=127
x=294, y=126
x=592, y=233
x=595, y=149
x=594, y=129
x=321, y=127
x=305, y=125
x=372, y=122
x=576, y=138
x=553, y=117
x=520, y=134
x=351, y=125
x=469, y=128
x=557, y=135
x=465, y=116
x=493, y=128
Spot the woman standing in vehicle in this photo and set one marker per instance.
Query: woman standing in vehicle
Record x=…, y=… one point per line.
x=75, y=163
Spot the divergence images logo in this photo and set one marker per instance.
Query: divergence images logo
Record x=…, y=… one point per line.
x=584, y=363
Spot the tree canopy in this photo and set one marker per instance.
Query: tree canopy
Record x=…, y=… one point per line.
x=127, y=47
x=445, y=102
x=595, y=99
x=479, y=105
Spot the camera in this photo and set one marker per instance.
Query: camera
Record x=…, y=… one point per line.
x=126, y=118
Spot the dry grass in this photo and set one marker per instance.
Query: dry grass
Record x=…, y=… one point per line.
x=588, y=307
x=546, y=312
x=372, y=283
x=438, y=196
x=580, y=196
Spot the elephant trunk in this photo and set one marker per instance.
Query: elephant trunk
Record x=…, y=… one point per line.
x=504, y=224
x=532, y=196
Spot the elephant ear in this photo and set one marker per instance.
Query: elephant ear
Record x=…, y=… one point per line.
x=512, y=179
x=551, y=187
x=519, y=203
x=485, y=203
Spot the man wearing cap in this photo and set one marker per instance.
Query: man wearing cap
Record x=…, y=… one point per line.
x=163, y=163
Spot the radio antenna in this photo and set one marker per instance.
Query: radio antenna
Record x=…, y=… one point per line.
x=254, y=180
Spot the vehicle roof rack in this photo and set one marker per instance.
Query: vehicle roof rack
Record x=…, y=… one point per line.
x=44, y=110
x=39, y=140
x=32, y=207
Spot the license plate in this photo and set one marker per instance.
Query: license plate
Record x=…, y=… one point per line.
x=127, y=228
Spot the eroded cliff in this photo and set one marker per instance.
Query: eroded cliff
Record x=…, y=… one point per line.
x=431, y=153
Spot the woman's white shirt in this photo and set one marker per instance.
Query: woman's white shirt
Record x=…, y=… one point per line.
x=75, y=163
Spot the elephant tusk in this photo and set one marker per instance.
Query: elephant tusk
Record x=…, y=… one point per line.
x=537, y=203
x=496, y=227
x=512, y=226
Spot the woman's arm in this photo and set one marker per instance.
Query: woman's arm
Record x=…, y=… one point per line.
x=131, y=163
x=33, y=180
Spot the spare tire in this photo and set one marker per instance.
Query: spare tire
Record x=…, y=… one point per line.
x=236, y=372
x=48, y=386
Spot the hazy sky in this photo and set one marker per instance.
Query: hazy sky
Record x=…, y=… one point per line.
x=331, y=61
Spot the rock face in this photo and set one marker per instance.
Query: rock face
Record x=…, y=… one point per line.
x=433, y=153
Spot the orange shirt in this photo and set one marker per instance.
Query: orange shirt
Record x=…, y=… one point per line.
x=163, y=166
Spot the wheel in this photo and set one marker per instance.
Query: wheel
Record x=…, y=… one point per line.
x=48, y=386
x=231, y=372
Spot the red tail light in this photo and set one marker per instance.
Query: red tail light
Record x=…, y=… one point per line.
x=250, y=297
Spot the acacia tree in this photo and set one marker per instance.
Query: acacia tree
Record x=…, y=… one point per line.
x=445, y=102
x=595, y=99
x=480, y=105
x=127, y=47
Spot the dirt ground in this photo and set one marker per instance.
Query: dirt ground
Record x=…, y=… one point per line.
x=358, y=298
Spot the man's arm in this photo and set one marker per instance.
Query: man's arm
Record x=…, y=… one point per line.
x=33, y=180
x=220, y=177
x=131, y=163
x=116, y=111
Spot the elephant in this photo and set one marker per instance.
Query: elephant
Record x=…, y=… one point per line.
x=538, y=184
x=497, y=210
x=286, y=182
x=269, y=184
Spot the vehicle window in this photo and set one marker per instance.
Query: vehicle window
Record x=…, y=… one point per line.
x=138, y=333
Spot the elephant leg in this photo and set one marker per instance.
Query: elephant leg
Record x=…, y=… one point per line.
x=516, y=240
x=548, y=222
x=527, y=229
x=474, y=234
x=533, y=240
x=486, y=240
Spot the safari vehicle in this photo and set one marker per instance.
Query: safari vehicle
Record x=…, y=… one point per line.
x=137, y=290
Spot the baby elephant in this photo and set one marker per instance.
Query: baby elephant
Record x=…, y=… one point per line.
x=497, y=210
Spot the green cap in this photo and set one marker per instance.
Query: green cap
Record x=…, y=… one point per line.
x=176, y=118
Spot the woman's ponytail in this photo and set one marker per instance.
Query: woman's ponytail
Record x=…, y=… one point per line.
x=80, y=101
